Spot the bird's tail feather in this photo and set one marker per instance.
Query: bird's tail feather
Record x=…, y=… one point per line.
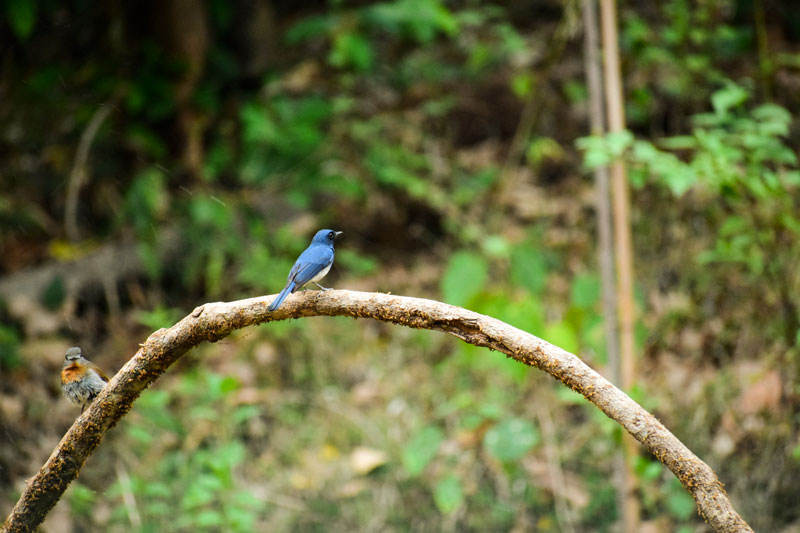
x=282, y=296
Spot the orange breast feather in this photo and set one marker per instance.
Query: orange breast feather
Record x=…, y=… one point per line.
x=71, y=373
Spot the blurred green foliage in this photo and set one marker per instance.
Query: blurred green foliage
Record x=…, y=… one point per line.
x=197, y=479
x=511, y=439
x=421, y=449
x=465, y=277
x=300, y=147
x=394, y=119
x=9, y=347
x=81, y=500
x=740, y=159
x=159, y=317
x=449, y=494
x=681, y=52
x=21, y=16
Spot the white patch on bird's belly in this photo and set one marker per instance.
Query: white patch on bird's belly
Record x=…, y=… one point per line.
x=82, y=391
x=76, y=392
x=321, y=274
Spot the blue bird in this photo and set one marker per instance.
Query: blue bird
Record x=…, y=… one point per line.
x=311, y=266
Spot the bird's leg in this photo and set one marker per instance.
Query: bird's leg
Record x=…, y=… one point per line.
x=321, y=287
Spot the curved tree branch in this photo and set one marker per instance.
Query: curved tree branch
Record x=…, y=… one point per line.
x=213, y=321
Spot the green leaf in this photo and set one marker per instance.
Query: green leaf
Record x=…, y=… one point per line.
x=198, y=494
x=526, y=314
x=210, y=212
x=226, y=385
x=9, y=347
x=448, y=494
x=215, y=264
x=679, y=142
x=528, y=269
x=470, y=187
x=496, y=246
x=82, y=499
x=522, y=84
x=619, y=141
x=209, y=518
x=351, y=50
x=586, y=290
x=148, y=254
x=145, y=201
x=680, y=179
x=54, y=294
x=511, y=439
x=680, y=504
x=733, y=225
x=421, y=449
x=563, y=335
x=544, y=149
x=465, y=277
x=728, y=97
x=648, y=470
x=774, y=119
x=227, y=457
x=140, y=434
x=157, y=490
x=160, y=317
x=356, y=263
x=419, y=19
x=595, y=151
x=245, y=412
x=259, y=262
x=21, y=15
x=310, y=28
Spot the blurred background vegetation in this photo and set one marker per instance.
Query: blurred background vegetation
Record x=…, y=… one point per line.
x=157, y=155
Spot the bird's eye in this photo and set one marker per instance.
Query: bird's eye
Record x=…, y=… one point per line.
x=331, y=235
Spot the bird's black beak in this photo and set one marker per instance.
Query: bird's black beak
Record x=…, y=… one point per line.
x=337, y=234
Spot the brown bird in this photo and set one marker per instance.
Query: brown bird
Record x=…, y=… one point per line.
x=81, y=380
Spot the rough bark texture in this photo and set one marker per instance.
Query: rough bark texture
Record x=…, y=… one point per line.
x=213, y=321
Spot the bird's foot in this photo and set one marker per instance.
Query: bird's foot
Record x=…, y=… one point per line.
x=321, y=287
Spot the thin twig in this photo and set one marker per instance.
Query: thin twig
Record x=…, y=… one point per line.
x=563, y=512
x=80, y=173
x=128, y=497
